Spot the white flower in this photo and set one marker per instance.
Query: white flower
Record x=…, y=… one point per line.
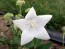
x=33, y=26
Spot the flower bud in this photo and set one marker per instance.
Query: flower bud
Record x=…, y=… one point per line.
x=18, y=16
x=8, y=18
x=20, y=2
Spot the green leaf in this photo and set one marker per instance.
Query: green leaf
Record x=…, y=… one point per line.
x=35, y=42
x=44, y=46
x=29, y=45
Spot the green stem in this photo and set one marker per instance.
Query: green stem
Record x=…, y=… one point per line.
x=35, y=44
x=20, y=10
x=63, y=41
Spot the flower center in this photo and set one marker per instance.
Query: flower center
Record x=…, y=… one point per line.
x=32, y=24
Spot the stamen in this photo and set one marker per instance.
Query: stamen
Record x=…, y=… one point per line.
x=32, y=24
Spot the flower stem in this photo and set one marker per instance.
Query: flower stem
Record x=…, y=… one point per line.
x=35, y=44
x=63, y=41
x=20, y=9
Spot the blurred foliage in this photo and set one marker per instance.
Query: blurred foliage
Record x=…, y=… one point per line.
x=53, y=7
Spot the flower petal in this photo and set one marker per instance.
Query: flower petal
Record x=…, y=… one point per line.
x=42, y=34
x=31, y=14
x=21, y=23
x=44, y=19
x=26, y=37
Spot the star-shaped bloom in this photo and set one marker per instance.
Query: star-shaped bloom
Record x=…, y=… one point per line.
x=33, y=26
